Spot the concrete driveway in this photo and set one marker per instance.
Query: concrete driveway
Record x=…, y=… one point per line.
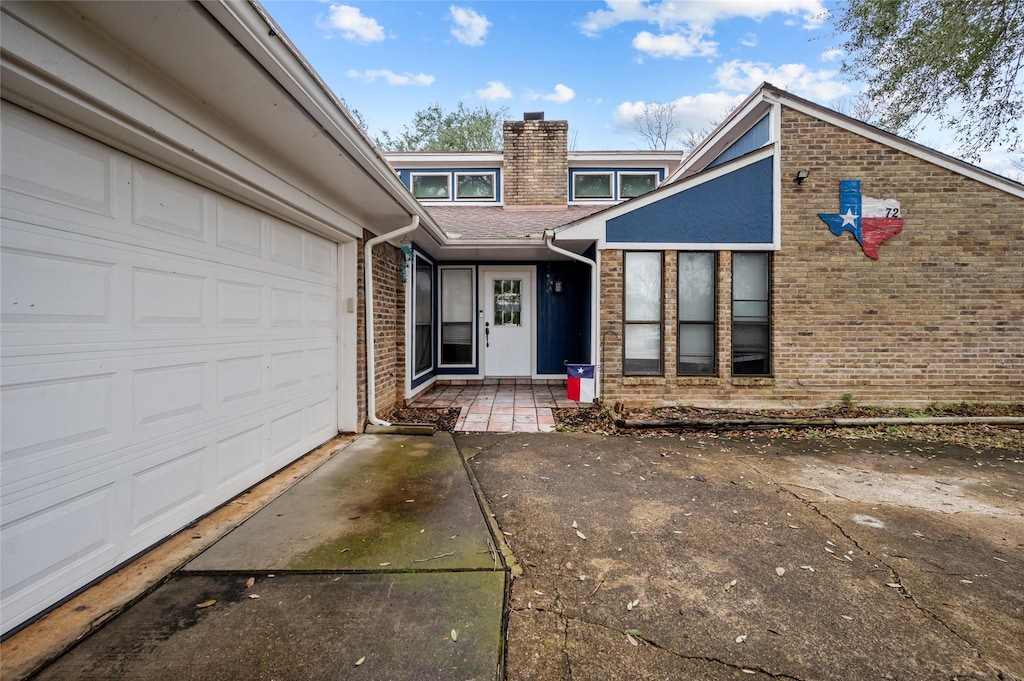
x=704, y=557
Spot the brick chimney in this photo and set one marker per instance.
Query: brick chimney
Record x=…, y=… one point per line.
x=536, y=162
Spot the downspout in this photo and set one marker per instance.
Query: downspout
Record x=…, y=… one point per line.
x=371, y=371
x=549, y=237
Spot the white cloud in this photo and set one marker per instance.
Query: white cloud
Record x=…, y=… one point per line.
x=495, y=90
x=561, y=95
x=749, y=40
x=391, y=77
x=669, y=14
x=690, y=112
x=352, y=24
x=469, y=28
x=820, y=86
x=832, y=54
x=675, y=45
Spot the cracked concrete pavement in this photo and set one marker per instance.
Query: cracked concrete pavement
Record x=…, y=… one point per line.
x=705, y=557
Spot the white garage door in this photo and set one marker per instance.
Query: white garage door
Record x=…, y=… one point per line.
x=163, y=348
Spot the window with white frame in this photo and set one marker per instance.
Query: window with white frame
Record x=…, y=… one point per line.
x=696, y=340
x=457, y=315
x=588, y=185
x=642, y=285
x=423, y=317
x=636, y=184
x=431, y=186
x=751, y=314
x=474, y=186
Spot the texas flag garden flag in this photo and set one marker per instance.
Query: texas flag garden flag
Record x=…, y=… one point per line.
x=580, y=382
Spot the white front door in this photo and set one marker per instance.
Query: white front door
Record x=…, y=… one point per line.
x=507, y=296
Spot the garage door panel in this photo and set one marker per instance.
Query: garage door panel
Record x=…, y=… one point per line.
x=239, y=455
x=168, y=203
x=164, y=347
x=240, y=228
x=160, y=491
x=32, y=148
x=80, y=526
x=42, y=287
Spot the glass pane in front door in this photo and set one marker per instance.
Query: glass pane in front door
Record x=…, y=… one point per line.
x=508, y=302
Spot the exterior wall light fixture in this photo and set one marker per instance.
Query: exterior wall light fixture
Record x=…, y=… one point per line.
x=801, y=175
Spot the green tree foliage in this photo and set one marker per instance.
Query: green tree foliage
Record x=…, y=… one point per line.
x=434, y=129
x=958, y=61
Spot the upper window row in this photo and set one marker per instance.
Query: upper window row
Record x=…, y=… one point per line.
x=480, y=186
x=473, y=186
x=604, y=185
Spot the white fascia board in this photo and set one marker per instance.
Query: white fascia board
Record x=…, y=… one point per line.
x=776, y=143
x=593, y=227
x=741, y=120
x=435, y=159
x=616, y=158
x=900, y=144
x=45, y=76
x=684, y=246
x=253, y=27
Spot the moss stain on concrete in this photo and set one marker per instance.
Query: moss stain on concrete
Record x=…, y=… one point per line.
x=400, y=506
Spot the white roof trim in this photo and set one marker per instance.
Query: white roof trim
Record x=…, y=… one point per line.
x=906, y=146
x=744, y=117
x=248, y=22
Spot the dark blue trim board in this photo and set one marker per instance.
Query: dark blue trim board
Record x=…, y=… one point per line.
x=735, y=208
x=752, y=139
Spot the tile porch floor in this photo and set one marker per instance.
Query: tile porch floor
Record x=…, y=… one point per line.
x=498, y=408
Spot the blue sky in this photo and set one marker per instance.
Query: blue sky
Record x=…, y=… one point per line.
x=592, y=63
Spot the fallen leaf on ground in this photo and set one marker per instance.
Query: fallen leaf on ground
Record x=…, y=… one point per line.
x=250, y=582
x=455, y=636
x=206, y=604
x=729, y=585
x=580, y=535
x=741, y=638
x=360, y=660
x=254, y=595
x=632, y=640
x=894, y=585
x=780, y=571
x=632, y=604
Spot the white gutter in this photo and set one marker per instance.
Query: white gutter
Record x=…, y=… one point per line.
x=371, y=371
x=549, y=237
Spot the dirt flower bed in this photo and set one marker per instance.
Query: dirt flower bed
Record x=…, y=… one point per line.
x=443, y=419
x=600, y=419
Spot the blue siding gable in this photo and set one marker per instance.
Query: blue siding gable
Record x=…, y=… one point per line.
x=752, y=139
x=735, y=208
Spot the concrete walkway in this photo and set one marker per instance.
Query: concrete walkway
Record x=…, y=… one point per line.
x=378, y=565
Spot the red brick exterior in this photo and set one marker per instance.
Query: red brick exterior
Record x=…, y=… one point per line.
x=939, y=317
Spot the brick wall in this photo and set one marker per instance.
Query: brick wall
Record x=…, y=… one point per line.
x=389, y=327
x=938, y=318
x=536, y=163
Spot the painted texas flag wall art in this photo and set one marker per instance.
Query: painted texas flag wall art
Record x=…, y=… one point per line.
x=871, y=221
x=580, y=382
